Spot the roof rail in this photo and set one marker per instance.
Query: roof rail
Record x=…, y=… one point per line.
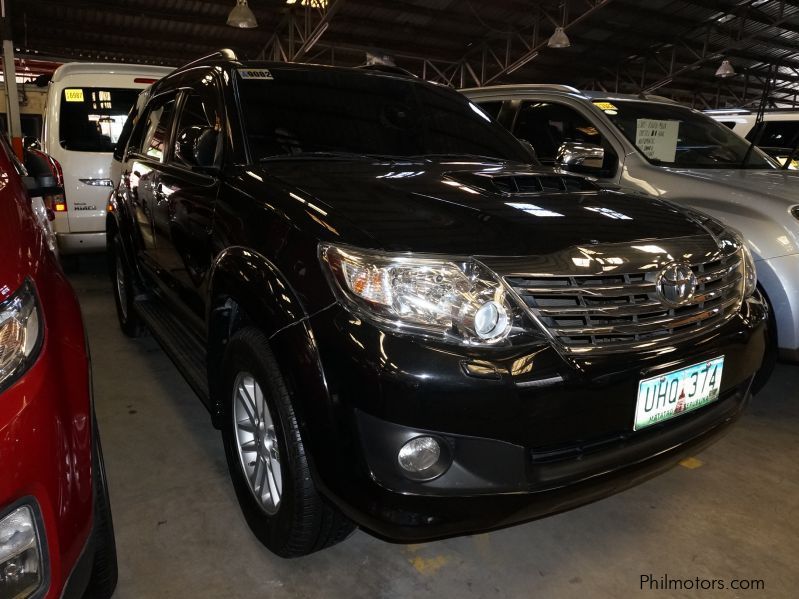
x=535, y=86
x=386, y=68
x=224, y=54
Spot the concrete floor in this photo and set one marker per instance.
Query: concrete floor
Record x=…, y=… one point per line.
x=730, y=513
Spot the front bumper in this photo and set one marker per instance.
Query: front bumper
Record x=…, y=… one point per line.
x=530, y=434
x=46, y=436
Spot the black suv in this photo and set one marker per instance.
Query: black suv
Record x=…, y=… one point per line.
x=396, y=322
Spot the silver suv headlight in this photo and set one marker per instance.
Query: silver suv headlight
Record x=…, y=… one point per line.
x=735, y=237
x=20, y=334
x=750, y=274
x=456, y=300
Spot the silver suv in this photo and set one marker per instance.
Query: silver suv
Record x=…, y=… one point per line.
x=656, y=146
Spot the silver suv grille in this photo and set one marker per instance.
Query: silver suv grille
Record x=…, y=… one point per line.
x=619, y=311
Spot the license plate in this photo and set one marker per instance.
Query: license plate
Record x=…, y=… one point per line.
x=668, y=395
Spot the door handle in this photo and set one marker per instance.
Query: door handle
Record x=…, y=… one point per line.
x=160, y=196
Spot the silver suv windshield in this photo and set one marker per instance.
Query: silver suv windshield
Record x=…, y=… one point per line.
x=676, y=136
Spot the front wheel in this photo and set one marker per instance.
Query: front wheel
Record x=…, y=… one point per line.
x=266, y=456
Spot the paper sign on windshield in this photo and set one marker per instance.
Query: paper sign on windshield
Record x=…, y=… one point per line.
x=657, y=139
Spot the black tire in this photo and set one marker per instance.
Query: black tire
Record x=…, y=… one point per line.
x=129, y=320
x=104, y=574
x=304, y=522
x=771, y=354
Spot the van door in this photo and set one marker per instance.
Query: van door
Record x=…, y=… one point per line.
x=90, y=120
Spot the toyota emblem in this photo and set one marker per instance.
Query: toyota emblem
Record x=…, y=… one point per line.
x=676, y=284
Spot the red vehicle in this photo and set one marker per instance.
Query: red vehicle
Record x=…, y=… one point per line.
x=56, y=532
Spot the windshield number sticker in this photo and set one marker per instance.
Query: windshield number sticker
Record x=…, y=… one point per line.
x=657, y=139
x=605, y=106
x=73, y=95
x=255, y=74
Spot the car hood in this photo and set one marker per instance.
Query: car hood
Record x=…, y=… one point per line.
x=459, y=206
x=778, y=185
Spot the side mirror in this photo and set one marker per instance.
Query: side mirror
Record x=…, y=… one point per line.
x=31, y=143
x=529, y=147
x=580, y=157
x=197, y=146
x=42, y=186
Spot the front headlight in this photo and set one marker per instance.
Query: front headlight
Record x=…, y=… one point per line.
x=20, y=554
x=20, y=334
x=452, y=299
x=750, y=274
x=733, y=236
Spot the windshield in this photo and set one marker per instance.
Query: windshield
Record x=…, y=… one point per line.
x=319, y=112
x=671, y=135
x=92, y=118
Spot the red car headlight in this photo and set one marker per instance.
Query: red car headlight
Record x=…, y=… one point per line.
x=20, y=334
x=21, y=557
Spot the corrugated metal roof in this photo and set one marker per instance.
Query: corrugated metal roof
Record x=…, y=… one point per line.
x=626, y=45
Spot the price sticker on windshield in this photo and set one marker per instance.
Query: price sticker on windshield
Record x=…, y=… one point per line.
x=263, y=74
x=605, y=106
x=73, y=95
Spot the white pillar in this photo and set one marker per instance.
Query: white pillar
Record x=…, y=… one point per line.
x=10, y=76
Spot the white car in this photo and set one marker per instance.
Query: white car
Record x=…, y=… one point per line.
x=777, y=135
x=87, y=105
x=667, y=150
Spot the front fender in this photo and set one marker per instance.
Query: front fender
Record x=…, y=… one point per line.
x=245, y=289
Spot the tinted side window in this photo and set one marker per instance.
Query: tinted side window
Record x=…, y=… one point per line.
x=198, y=130
x=547, y=125
x=124, y=136
x=776, y=134
x=491, y=108
x=157, y=126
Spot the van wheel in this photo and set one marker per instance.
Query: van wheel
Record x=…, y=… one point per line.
x=122, y=281
x=266, y=456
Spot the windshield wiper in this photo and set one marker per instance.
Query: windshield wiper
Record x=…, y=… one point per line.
x=458, y=155
x=329, y=155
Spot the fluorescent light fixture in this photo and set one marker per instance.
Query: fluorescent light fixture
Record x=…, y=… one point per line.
x=241, y=16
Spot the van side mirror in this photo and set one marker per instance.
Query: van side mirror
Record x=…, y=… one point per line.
x=580, y=157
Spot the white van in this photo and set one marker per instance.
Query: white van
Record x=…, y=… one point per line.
x=87, y=105
x=777, y=135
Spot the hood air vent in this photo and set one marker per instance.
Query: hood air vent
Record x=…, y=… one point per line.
x=512, y=184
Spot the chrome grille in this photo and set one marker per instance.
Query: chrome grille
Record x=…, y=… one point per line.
x=618, y=311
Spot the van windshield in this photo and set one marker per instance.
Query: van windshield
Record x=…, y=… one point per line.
x=672, y=135
x=92, y=118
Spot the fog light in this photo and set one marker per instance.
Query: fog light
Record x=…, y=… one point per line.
x=20, y=558
x=490, y=320
x=419, y=455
